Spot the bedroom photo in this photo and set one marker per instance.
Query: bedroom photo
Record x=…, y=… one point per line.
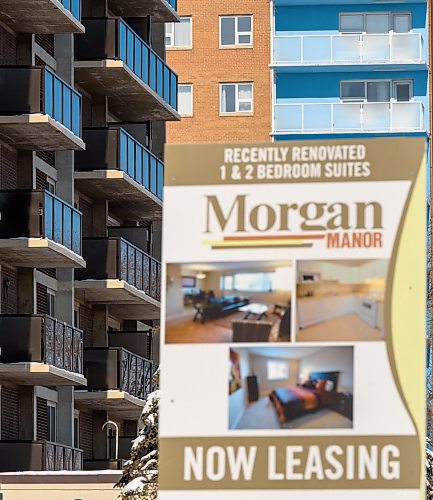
x=291, y=387
x=229, y=302
x=340, y=300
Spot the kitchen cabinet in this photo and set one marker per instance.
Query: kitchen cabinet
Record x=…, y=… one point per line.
x=317, y=309
x=380, y=317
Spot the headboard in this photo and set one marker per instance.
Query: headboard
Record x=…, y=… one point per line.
x=332, y=376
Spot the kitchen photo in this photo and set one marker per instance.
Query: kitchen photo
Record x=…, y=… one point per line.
x=296, y=387
x=229, y=302
x=340, y=300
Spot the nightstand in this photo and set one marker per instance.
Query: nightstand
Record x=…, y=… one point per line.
x=343, y=404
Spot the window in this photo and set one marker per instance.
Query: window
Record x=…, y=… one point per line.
x=236, y=98
x=277, y=369
x=185, y=99
x=376, y=90
x=179, y=34
x=377, y=22
x=236, y=31
x=249, y=282
x=51, y=303
x=52, y=421
x=51, y=185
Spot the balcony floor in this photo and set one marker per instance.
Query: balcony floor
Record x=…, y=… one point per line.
x=118, y=403
x=37, y=132
x=36, y=252
x=39, y=16
x=128, y=199
x=124, y=300
x=39, y=374
x=129, y=97
x=159, y=10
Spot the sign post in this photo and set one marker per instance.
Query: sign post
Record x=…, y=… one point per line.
x=293, y=347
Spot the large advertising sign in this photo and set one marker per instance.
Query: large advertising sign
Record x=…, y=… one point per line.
x=293, y=347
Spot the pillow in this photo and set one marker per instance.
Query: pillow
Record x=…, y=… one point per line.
x=309, y=384
x=320, y=385
x=329, y=386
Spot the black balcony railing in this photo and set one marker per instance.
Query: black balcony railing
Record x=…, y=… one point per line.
x=114, y=39
x=116, y=368
x=41, y=339
x=116, y=258
x=39, y=214
x=27, y=90
x=130, y=156
x=58, y=457
x=41, y=455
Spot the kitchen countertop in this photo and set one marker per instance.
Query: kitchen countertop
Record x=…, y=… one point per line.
x=332, y=295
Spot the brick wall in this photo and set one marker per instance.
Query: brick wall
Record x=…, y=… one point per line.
x=86, y=435
x=8, y=47
x=41, y=419
x=206, y=66
x=9, y=299
x=8, y=168
x=41, y=299
x=9, y=413
x=86, y=324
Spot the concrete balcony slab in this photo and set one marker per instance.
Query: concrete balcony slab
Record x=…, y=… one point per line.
x=39, y=374
x=119, y=403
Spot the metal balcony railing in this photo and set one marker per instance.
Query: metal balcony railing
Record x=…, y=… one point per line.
x=348, y=117
x=41, y=339
x=58, y=457
x=74, y=6
x=347, y=48
x=39, y=214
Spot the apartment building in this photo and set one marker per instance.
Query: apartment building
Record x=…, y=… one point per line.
x=84, y=96
x=221, y=52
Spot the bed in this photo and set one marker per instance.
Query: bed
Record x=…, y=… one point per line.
x=319, y=391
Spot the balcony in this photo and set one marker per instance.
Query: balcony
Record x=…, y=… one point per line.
x=38, y=110
x=42, y=16
x=38, y=228
x=121, y=275
x=118, y=381
x=143, y=343
x=17, y=456
x=348, y=117
x=347, y=49
x=117, y=168
x=112, y=60
x=40, y=350
x=161, y=11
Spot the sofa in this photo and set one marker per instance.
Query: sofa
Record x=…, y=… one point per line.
x=218, y=307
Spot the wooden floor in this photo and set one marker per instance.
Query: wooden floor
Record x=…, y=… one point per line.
x=344, y=328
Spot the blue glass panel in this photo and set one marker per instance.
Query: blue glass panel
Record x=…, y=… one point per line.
x=139, y=164
x=123, y=151
x=76, y=8
x=49, y=93
x=130, y=50
x=67, y=108
x=131, y=156
x=153, y=173
x=76, y=114
x=160, y=181
x=146, y=162
x=145, y=64
x=49, y=207
x=122, y=41
x=58, y=223
x=76, y=232
x=67, y=4
x=166, y=84
x=58, y=104
x=152, y=76
x=160, y=77
x=173, y=91
x=138, y=57
x=67, y=226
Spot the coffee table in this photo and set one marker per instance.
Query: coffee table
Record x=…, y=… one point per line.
x=256, y=309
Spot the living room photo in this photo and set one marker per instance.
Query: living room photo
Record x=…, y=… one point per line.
x=296, y=387
x=229, y=302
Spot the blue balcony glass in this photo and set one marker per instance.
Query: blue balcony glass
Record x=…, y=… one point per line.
x=62, y=102
x=147, y=65
x=74, y=6
x=62, y=223
x=140, y=164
